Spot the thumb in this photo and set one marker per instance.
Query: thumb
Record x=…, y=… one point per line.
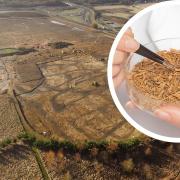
x=169, y=113
x=128, y=44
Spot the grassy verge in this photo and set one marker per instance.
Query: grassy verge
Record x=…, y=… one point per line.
x=40, y=163
x=72, y=147
x=55, y=145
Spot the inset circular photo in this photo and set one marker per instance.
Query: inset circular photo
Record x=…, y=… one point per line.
x=144, y=71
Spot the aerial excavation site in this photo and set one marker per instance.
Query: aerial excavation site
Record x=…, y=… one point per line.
x=57, y=117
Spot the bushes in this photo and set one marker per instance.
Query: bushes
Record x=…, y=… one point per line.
x=128, y=165
x=47, y=144
x=8, y=141
x=42, y=144
x=87, y=146
x=101, y=145
x=5, y=142
x=67, y=145
x=95, y=25
x=27, y=137
x=54, y=145
x=128, y=144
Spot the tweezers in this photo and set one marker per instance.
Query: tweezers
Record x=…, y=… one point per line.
x=143, y=51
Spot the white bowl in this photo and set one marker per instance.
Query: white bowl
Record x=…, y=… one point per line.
x=142, y=116
x=142, y=101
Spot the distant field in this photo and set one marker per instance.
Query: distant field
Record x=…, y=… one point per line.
x=105, y=7
x=30, y=3
x=74, y=14
x=113, y=17
x=120, y=15
x=122, y=8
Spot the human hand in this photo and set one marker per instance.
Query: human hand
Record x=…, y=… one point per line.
x=126, y=45
x=170, y=114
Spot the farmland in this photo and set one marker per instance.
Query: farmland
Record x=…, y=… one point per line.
x=53, y=84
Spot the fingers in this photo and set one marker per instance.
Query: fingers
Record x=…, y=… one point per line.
x=117, y=80
x=169, y=113
x=129, y=33
x=130, y=105
x=119, y=57
x=128, y=44
x=116, y=70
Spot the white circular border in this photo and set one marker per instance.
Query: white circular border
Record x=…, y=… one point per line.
x=109, y=73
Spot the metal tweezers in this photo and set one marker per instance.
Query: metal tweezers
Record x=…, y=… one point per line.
x=143, y=51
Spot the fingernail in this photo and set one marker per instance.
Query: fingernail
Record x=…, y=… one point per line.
x=131, y=44
x=130, y=105
x=163, y=115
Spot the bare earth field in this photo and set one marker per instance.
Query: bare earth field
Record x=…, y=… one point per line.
x=9, y=120
x=157, y=165
x=64, y=91
x=53, y=82
x=112, y=17
x=18, y=162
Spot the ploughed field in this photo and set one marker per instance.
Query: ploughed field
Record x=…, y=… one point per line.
x=18, y=162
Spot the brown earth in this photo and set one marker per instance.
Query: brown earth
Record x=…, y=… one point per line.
x=10, y=125
x=64, y=92
x=145, y=162
x=69, y=106
x=18, y=162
